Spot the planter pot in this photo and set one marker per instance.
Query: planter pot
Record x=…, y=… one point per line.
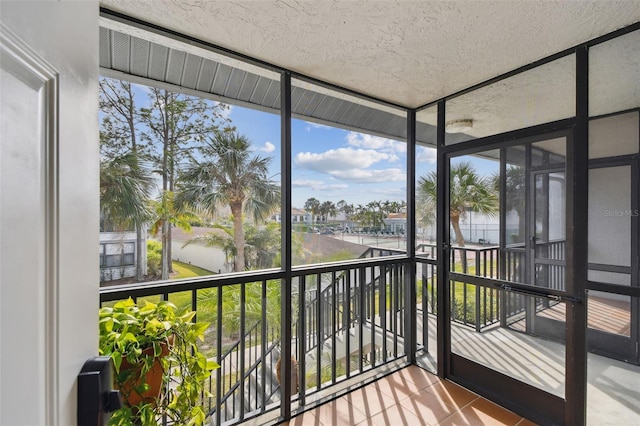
x=153, y=378
x=294, y=374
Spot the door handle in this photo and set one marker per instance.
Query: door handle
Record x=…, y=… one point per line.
x=96, y=398
x=533, y=240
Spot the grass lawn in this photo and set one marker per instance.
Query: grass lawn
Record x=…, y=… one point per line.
x=184, y=270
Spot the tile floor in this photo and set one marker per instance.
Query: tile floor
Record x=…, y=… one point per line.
x=410, y=396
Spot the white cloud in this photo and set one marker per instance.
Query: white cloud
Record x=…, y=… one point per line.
x=317, y=185
x=370, y=176
x=427, y=155
x=341, y=159
x=362, y=140
x=268, y=147
x=300, y=183
x=399, y=193
x=311, y=126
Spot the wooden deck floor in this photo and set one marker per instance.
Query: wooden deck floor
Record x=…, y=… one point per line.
x=611, y=316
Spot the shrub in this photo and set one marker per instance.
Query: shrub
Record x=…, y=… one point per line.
x=154, y=258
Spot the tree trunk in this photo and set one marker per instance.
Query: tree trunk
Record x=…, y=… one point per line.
x=140, y=272
x=165, y=251
x=455, y=223
x=164, y=211
x=238, y=237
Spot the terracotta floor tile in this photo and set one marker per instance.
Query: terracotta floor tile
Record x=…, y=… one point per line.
x=428, y=408
x=396, y=415
x=410, y=397
x=338, y=412
x=304, y=419
x=452, y=394
x=369, y=400
x=482, y=412
x=459, y=419
x=418, y=376
x=399, y=387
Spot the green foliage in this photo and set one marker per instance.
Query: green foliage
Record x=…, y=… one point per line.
x=154, y=258
x=126, y=330
x=185, y=270
x=467, y=191
x=230, y=175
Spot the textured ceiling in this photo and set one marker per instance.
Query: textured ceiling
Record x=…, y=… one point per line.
x=406, y=52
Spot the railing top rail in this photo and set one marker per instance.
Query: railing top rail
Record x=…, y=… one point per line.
x=213, y=281
x=483, y=248
x=346, y=265
x=153, y=288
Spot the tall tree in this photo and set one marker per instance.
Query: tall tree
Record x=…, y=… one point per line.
x=327, y=208
x=515, y=183
x=228, y=174
x=176, y=124
x=124, y=191
x=120, y=148
x=467, y=191
x=374, y=210
x=167, y=212
x=312, y=205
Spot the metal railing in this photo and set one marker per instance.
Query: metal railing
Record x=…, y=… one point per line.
x=347, y=320
x=480, y=307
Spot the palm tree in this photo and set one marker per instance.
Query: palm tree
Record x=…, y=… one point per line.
x=375, y=213
x=229, y=175
x=119, y=134
x=168, y=213
x=327, y=209
x=515, y=183
x=124, y=192
x=312, y=205
x=468, y=191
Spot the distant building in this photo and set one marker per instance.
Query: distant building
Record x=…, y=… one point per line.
x=297, y=216
x=118, y=255
x=396, y=223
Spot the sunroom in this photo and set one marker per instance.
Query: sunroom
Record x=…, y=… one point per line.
x=512, y=268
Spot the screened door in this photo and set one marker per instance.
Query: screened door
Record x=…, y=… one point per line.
x=509, y=301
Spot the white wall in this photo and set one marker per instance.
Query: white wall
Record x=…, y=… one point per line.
x=610, y=216
x=211, y=258
x=610, y=209
x=48, y=286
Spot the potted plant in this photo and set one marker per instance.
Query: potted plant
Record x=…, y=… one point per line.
x=158, y=367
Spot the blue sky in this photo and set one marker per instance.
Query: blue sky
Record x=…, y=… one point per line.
x=333, y=164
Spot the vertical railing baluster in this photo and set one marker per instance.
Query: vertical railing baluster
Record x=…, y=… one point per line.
x=220, y=371
x=361, y=313
x=319, y=330
x=347, y=315
x=242, y=347
x=425, y=308
x=263, y=344
x=396, y=297
x=464, y=306
x=372, y=315
x=383, y=309
x=478, y=309
x=302, y=339
x=334, y=319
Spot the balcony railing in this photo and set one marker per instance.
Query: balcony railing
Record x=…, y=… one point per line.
x=347, y=319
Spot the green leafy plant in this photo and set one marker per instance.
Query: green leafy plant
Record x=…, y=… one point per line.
x=140, y=339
